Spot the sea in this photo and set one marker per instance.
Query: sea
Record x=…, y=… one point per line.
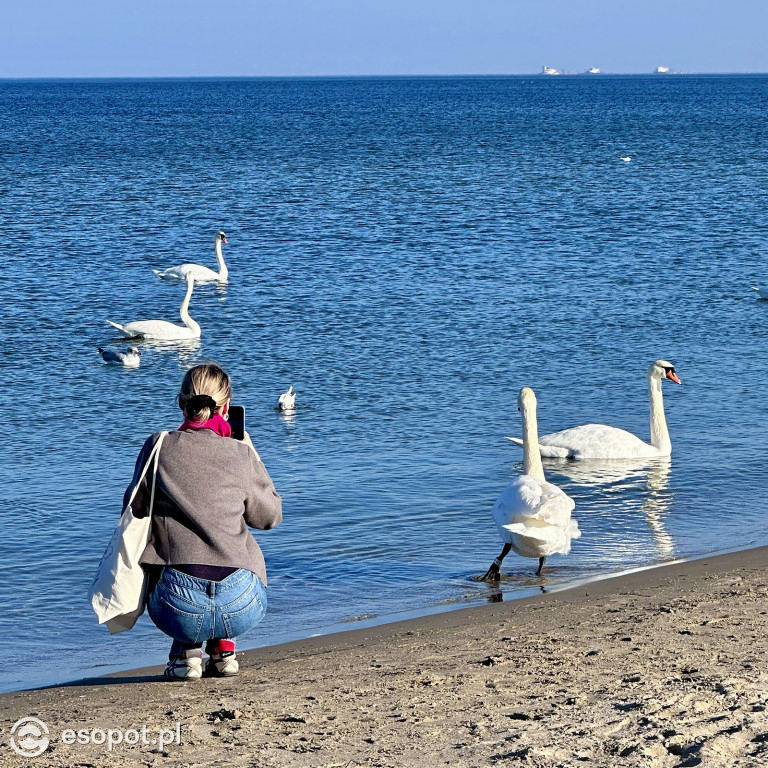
x=407, y=253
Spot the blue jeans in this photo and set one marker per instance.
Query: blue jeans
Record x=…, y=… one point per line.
x=193, y=610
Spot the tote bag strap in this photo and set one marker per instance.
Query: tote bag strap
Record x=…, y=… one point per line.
x=154, y=472
x=154, y=456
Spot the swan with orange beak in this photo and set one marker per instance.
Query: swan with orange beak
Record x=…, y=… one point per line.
x=600, y=441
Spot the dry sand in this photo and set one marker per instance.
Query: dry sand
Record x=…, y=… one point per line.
x=664, y=667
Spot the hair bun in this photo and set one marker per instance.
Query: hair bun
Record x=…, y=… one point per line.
x=197, y=403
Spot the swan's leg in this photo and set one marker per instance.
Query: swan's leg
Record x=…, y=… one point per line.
x=541, y=565
x=494, y=572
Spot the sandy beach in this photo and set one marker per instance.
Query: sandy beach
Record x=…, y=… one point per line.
x=662, y=667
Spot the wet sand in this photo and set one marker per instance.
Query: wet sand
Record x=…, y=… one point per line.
x=664, y=667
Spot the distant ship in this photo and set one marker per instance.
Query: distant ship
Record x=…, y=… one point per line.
x=549, y=71
x=661, y=71
x=594, y=71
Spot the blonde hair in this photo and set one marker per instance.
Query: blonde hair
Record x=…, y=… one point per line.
x=204, y=388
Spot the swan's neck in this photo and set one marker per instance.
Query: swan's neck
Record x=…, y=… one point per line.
x=223, y=271
x=531, y=455
x=184, y=314
x=659, y=432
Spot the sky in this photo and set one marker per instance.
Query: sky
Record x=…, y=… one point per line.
x=220, y=38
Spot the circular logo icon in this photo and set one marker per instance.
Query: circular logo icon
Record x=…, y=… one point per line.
x=29, y=737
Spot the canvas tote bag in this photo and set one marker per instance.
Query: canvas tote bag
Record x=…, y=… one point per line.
x=119, y=591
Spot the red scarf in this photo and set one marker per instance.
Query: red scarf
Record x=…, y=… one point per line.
x=218, y=424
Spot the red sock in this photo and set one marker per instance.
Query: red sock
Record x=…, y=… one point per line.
x=219, y=646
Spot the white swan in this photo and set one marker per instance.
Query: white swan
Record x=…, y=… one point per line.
x=287, y=401
x=533, y=516
x=201, y=274
x=162, y=329
x=598, y=441
x=129, y=359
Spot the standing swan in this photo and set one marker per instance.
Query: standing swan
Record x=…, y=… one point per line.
x=598, y=441
x=201, y=274
x=162, y=329
x=532, y=515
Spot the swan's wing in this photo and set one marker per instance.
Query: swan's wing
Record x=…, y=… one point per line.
x=155, y=329
x=546, y=451
x=573, y=530
x=555, y=506
x=200, y=273
x=533, y=541
x=124, y=329
x=172, y=273
x=512, y=502
x=597, y=441
x=535, y=517
x=525, y=498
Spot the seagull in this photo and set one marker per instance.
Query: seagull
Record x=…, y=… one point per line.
x=287, y=401
x=129, y=359
x=626, y=158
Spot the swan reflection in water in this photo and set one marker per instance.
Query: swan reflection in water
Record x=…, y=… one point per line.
x=657, y=506
x=187, y=350
x=632, y=479
x=614, y=491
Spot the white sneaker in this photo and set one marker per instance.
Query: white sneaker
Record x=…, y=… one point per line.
x=222, y=664
x=186, y=666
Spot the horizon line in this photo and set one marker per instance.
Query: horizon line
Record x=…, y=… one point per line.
x=566, y=74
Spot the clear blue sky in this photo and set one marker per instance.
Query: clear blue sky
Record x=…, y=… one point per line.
x=146, y=38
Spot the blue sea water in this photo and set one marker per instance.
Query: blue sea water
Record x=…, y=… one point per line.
x=407, y=253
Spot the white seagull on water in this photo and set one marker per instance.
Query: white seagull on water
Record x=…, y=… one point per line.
x=287, y=401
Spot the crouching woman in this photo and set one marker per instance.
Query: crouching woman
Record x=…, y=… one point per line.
x=207, y=573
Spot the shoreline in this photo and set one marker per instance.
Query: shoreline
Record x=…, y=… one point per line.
x=658, y=667
x=342, y=628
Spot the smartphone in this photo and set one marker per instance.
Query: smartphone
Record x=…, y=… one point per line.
x=237, y=421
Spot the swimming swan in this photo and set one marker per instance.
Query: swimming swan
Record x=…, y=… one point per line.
x=162, y=329
x=599, y=441
x=201, y=274
x=533, y=516
x=287, y=401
